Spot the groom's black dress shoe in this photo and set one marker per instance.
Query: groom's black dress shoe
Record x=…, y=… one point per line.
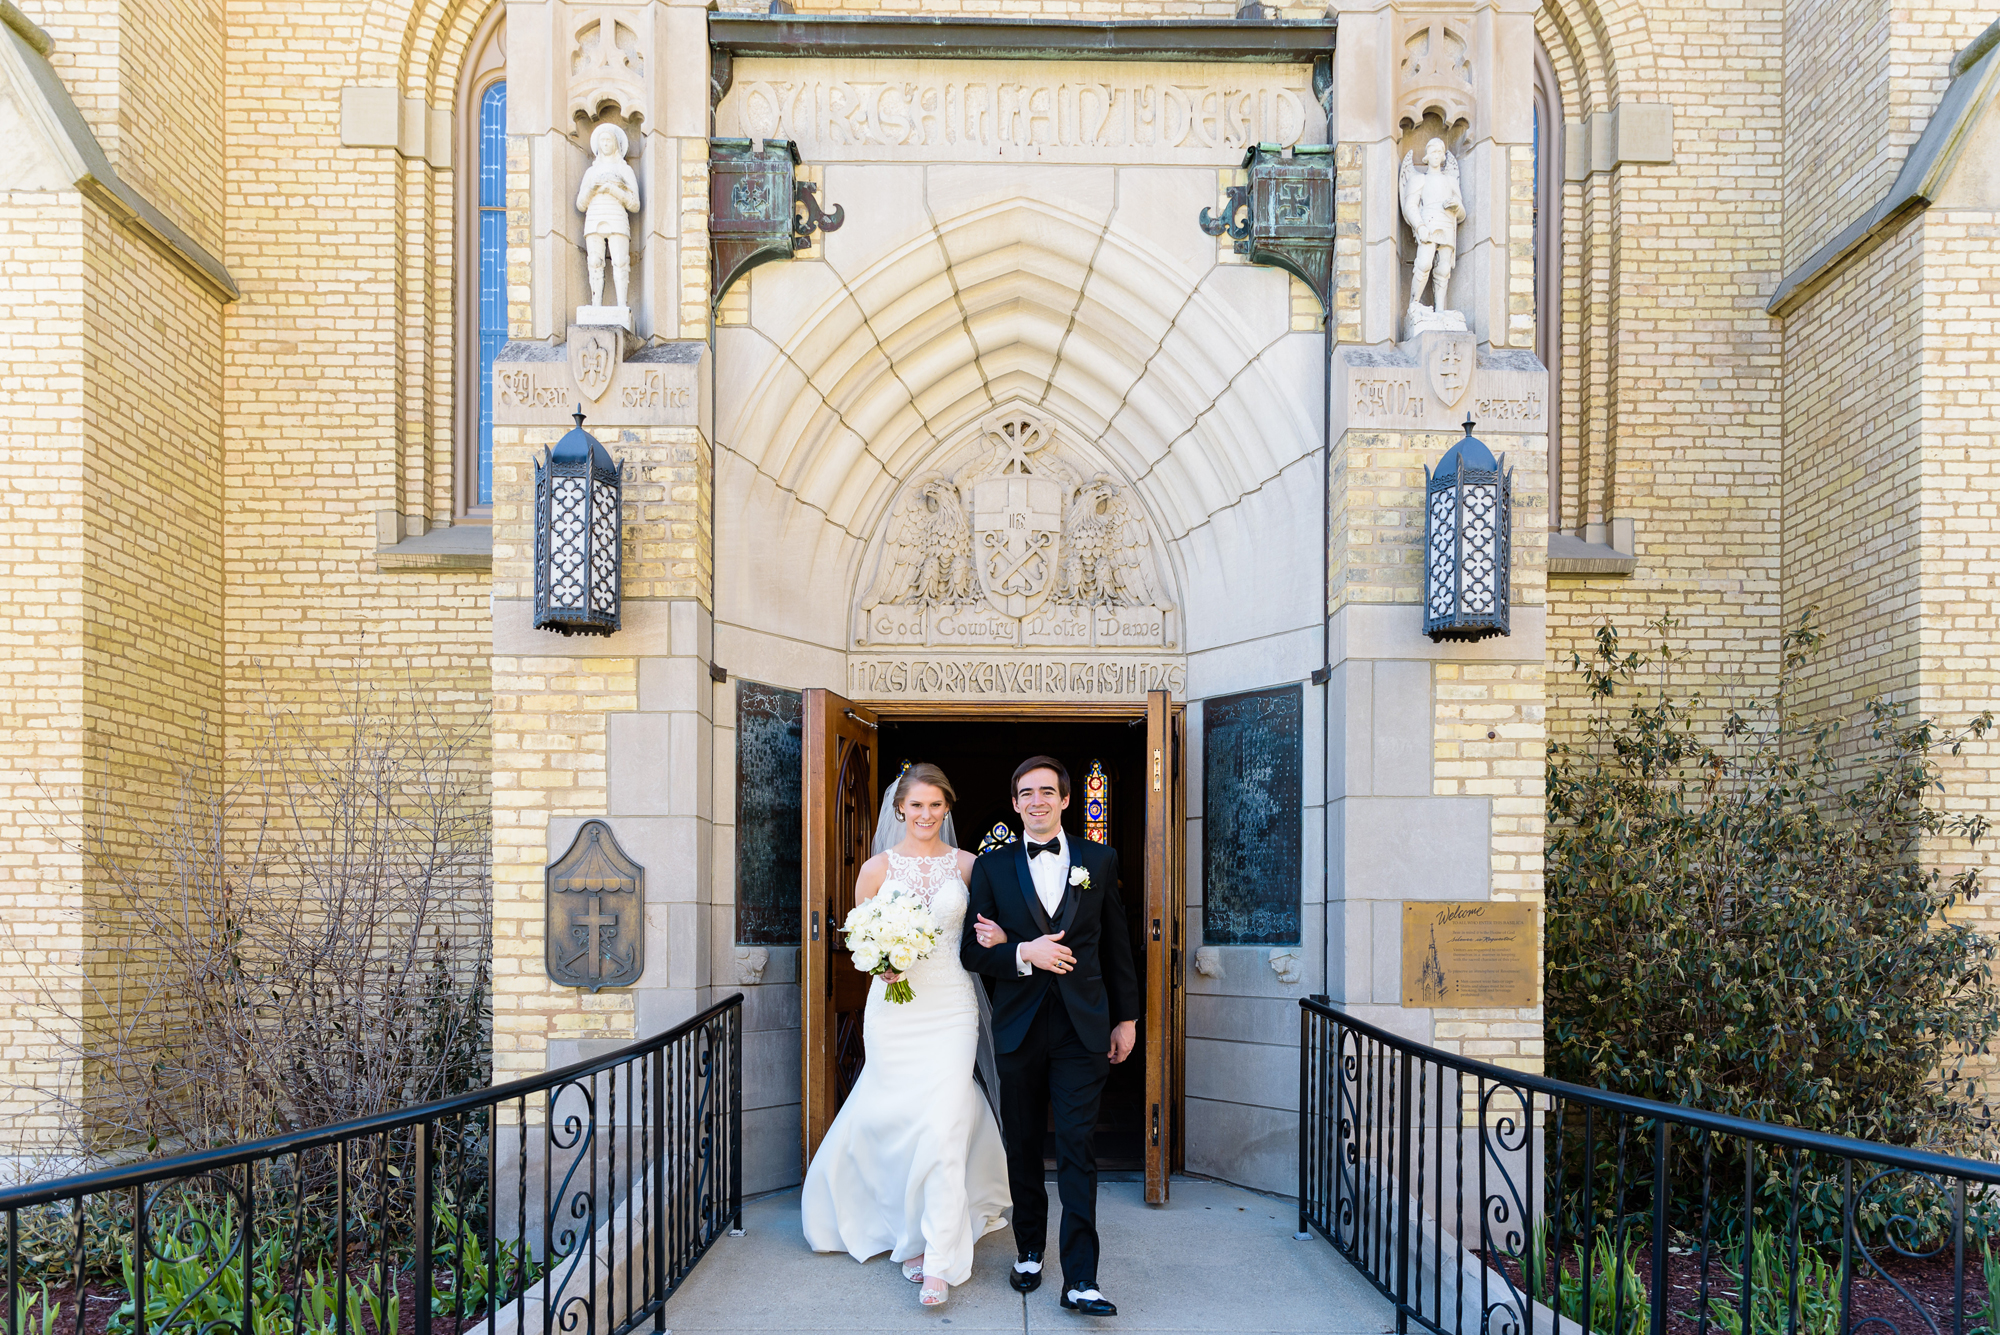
x=1027, y=1281
x=1098, y=1306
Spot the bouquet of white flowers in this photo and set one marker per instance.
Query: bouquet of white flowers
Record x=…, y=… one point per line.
x=888, y=933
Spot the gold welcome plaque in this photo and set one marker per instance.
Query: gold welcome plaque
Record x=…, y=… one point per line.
x=1479, y=954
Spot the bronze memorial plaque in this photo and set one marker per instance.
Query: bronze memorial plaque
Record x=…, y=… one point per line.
x=1475, y=954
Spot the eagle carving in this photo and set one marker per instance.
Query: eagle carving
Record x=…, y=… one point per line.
x=928, y=561
x=1107, y=558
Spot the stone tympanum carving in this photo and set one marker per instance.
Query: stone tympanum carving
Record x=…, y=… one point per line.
x=607, y=197
x=1015, y=546
x=1433, y=207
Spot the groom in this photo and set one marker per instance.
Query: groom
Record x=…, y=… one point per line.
x=1065, y=1006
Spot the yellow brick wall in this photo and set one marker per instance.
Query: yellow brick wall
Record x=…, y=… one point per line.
x=549, y=725
x=1489, y=718
x=548, y=760
x=42, y=744
x=1378, y=514
x=113, y=576
x=147, y=76
x=1670, y=401
x=1839, y=156
x=1958, y=651
x=342, y=367
x=1852, y=475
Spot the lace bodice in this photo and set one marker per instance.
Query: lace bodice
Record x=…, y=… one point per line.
x=936, y=882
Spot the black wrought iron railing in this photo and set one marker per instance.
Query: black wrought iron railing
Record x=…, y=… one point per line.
x=572, y=1202
x=1485, y=1201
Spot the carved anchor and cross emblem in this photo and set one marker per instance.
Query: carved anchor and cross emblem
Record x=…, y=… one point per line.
x=1017, y=519
x=1029, y=547
x=588, y=945
x=596, y=935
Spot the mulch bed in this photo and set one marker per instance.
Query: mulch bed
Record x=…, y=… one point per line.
x=1929, y=1282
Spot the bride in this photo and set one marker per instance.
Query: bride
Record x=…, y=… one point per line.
x=913, y=1165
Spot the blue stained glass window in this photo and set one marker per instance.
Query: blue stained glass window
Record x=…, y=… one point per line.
x=492, y=266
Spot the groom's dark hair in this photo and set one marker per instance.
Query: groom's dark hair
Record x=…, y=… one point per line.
x=1041, y=762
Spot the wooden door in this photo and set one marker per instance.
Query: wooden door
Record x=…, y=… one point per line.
x=1177, y=957
x=1159, y=932
x=838, y=821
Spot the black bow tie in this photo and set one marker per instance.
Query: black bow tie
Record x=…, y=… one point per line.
x=1052, y=846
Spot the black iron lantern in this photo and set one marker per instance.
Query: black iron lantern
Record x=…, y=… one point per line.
x=1468, y=528
x=577, y=536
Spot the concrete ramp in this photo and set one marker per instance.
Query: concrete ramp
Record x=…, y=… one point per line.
x=1216, y=1259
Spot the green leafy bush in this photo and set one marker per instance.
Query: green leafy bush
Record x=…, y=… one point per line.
x=1747, y=925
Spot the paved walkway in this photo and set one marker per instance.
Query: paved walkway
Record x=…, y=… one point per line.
x=1216, y=1259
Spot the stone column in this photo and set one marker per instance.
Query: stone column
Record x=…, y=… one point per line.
x=1435, y=783
x=617, y=727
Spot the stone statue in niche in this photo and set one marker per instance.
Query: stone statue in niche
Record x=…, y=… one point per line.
x=607, y=197
x=1433, y=207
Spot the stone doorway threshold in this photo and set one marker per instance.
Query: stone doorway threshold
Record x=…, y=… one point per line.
x=1217, y=1258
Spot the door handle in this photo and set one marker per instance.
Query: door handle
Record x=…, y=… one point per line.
x=815, y=925
x=1156, y=1124
x=1156, y=929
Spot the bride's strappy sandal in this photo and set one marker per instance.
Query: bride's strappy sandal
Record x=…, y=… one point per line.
x=934, y=1296
x=913, y=1270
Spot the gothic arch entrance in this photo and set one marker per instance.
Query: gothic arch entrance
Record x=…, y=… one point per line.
x=1133, y=754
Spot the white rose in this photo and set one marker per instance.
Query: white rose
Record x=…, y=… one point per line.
x=866, y=960
x=1078, y=876
x=901, y=957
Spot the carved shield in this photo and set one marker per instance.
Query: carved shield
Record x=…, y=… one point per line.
x=593, y=358
x=1448, y=361
x=1016, y=534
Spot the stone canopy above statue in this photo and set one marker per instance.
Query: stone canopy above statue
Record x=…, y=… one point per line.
x=1017, y=544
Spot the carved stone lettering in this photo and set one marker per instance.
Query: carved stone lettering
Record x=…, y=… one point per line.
x=1084, y=112
x=1390, y=397
x=536, y=385
x=1500, y=411
x=524, y=389
x=1013, y=677
x=1404, y=389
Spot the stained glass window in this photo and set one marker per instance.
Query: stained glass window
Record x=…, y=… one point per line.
x=1097, y=804
x=492, y=266
x=1001, y=835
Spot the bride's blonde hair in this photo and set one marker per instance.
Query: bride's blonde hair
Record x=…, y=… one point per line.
x=924, y=772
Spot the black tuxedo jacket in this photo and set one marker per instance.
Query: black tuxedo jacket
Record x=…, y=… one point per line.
x=1101, y=991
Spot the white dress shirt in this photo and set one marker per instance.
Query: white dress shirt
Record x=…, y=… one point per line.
x=1051, y=876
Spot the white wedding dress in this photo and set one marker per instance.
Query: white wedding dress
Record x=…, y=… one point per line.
x=914, y=1164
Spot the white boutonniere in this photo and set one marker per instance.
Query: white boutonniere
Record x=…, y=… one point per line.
x=1079, y=878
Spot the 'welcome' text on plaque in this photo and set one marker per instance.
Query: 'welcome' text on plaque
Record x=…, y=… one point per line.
x=1479, y=954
